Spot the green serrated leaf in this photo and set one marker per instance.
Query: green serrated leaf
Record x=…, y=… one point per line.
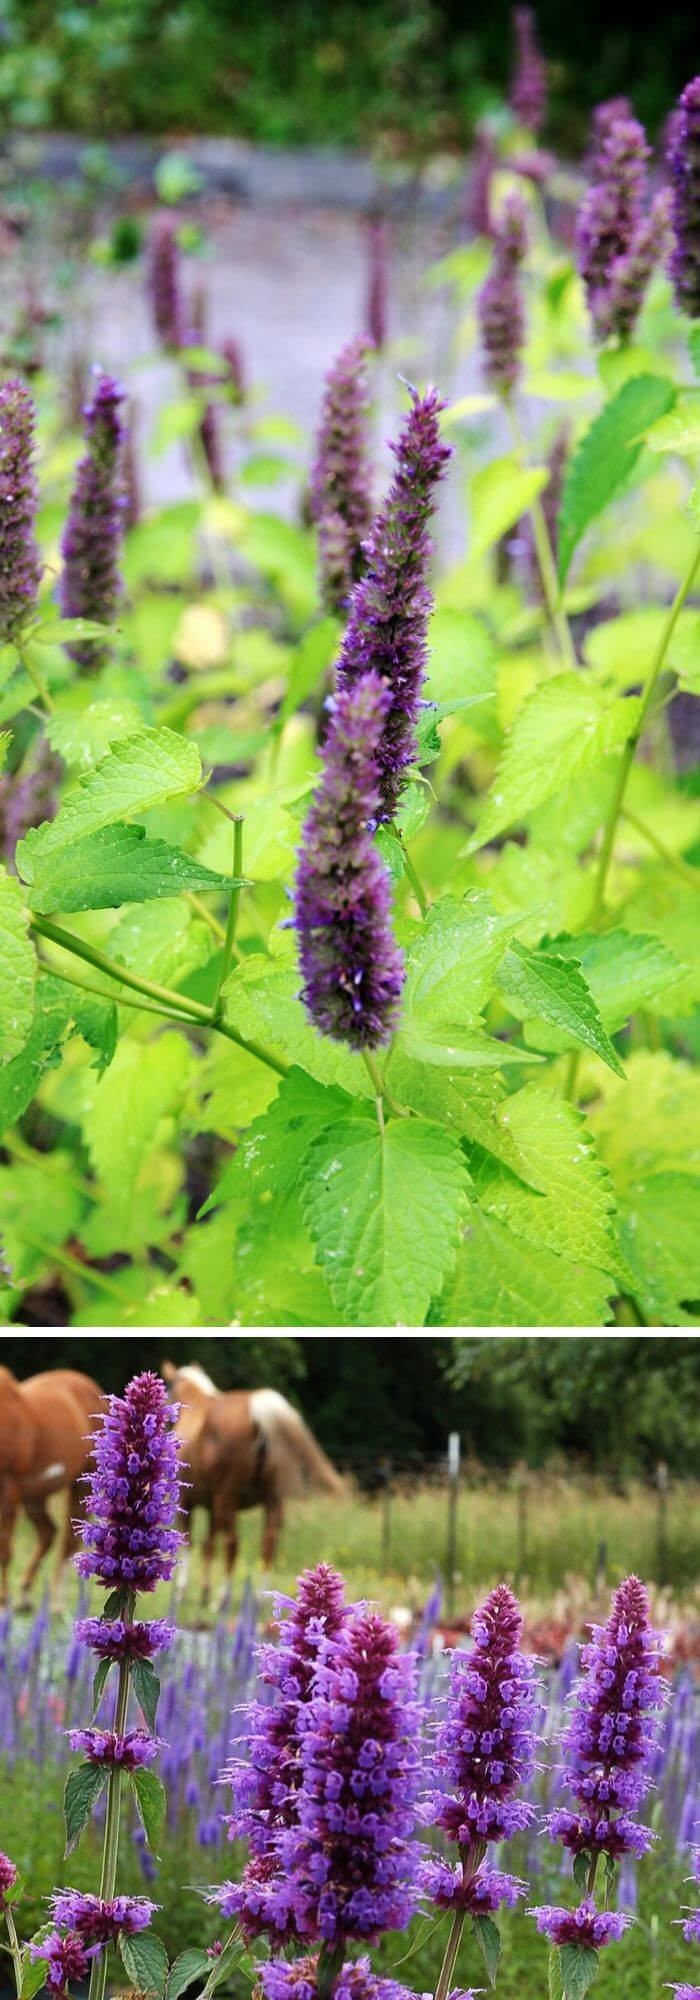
x=488, y=1938
x=576, y=1215
x=309, y=663
x=270, y=1155
x=99, y=1682
x=113, y=866
x=554, y=1976
x=499, y=495
x=139, y=772
x=190, y=1965
x=554, y=989
x=566, y=726
x=82, y=1790
x=145, y=1961
x=151, y=1804
x=606, y=457
x=579, y=1964
x=33, y=1975
x=17, y=969
x=582, y=1863
x=68, y=631
x=660, y=1234
x=502, y=1280
x=384, y=1209
x=624, y=970
x=146, y=1686
x=121, y=1128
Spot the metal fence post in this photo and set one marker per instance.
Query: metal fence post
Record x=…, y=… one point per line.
x=453, y=1454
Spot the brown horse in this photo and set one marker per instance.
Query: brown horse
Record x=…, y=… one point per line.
x=242, y=1448
x=46, y=1428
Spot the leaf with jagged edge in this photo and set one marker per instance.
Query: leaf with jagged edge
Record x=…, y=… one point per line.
x=576, y=1216
x=554, y=989
x=579, y=1965
x=651, y=1123
x=606, y=456
x=145, y=1962
x=115, y=865
x=624, y=970
x=472, y=1102
x=271, y=1154
x=564, y=727
x=660, y=1235
x=121, y=1124
x=17, y=969
x=137, y=773
x=500, y=1280
x=384, y=1210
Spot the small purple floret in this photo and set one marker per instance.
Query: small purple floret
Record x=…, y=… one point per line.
x=114, y=1639
x=104, y=1746
x=500, y=303
x=97, y=1921
x=8, y=1876
x=586, y=1925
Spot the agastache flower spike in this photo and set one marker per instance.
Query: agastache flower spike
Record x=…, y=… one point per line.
x=340, y=498
x=8, y=1876
x=691, y=1933
x=20, y=567
x=500, y=303
x=164, y=283
x=608, y=1743
x=617, y=242
x=90, y=585
x=352, y=969
x=390, y=607
x=105, y=1746
x=377, y=281
x=528, y=94
x=266, y=1776
x=131, y=1543
x=684, y=174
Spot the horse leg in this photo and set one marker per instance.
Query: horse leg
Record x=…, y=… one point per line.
x=272, y=1529
x=9, y=1502
x=69, y=1541
x=228, y=1522
x=45, y=1530
x=208, y=1553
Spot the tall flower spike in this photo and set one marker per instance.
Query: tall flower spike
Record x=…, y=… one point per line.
x=340, y=498
x=377, y=281
x=500, y=303
x=620, y=306
x=691, y=1933
x=90, y=585
x=477, y=206
x=684, y=173
x=613, y=243
x=20, y=567
x=131, y=1543
x=390, y=607
x=607, y=1746
x=485, y=1753
x=164, y=283
x=8, y=1876
x=351, y=1864
x=352, y=969
x=528, y=94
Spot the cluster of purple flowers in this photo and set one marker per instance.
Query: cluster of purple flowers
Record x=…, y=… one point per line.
x=684, y=172
x=485, y=1753
x=340, y=496
x=164, y=283
x=619, y=238
x=8, y=1876
x=20, y=568
x=691, y=1933
x=500, y=303
x=528, y=94
x=607, y=1746
x=90, y=584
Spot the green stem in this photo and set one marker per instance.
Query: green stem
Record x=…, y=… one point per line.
x=98, y=1974
x=380, y=1085
x=673, y=861
x=66, y=1262
x=32, y=670
x=330, y=1960
x=545, y=559
x=414, y=879
x=117, y=999
x=195, y=902
x=15, y=1952
x=449, y=1961
x=230, y=937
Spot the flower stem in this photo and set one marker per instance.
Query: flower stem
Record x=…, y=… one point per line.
x=449, y=1961
x=98, y=1972
x=30, y=668
x=545, y=559
x=380, y=1085
x=230, y=937
x=15, y=1952
x=414, y=879
x=330, y=1959
x=673, y=861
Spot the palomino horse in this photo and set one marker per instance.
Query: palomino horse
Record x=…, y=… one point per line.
x=45, y=1445
x=242, y=1448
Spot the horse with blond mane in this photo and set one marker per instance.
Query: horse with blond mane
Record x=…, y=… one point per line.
x=46, y=1426
x=241, y=1448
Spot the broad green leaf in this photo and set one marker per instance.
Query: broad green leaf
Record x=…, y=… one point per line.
x=69, y=631
x=488, y=1938
x=579, y=1965
x=554, y=1977
x=576, y=1216
x=146, y=1686
x=270, y=1156
x=606, y=456
x=669, y=909
x=176, y=420
x=19, y=1079
x=623, y=649
x=113, y=866
x=140, y=772
x=679, y=430
x=82, y=733
x=462, y=662
x=694, y=347
x=99, y=1682
x=262, y=1001
x=555, y=989
x=580, y=1871
x=145, y=1962
x=500, y=1280
x=190, y=1966
x=121, y=1126
x=17, y=969
x=40, y=1210
x=471, y=1102
x=460, y=1048
x=33, y=1975
x=82, y=1790
x=624, y=971
x=498, y=496
x=384, y=1210
x=151, y=1804
x=427, y=730
x=660, y=1232
x=651, y=1123
x=451, y=963
x=309, y=663
x=162, y=941
x=566, y=726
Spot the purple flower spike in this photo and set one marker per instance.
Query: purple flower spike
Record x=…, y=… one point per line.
x=485, y=1746
x=20, y=567
x=115, y=1640
x=618, y=308
x=477, y=208
x=685, y=1992
x=90, y=584
x=67, y=1959
x=528, y=94
x=617, y=241
x=340, y=498
x=684, y=174
x=585, y=1926
x=391, y=605
x=612, y=1730
x=377, y=281
x=96, y=1921
x=352, y=969
x=8, y=1876
x=500, y=304
x=299, y=1981
x=104, y=1746
x=131, y=1544
x=351, y=1865
x=164, y=283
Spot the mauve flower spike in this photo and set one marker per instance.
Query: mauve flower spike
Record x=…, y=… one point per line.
x=500, y=304
x=340, y=501
x=20, y=567
x=90, y=584
x=684, y=174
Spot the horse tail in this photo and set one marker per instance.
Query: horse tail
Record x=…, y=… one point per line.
x=297, y=1458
